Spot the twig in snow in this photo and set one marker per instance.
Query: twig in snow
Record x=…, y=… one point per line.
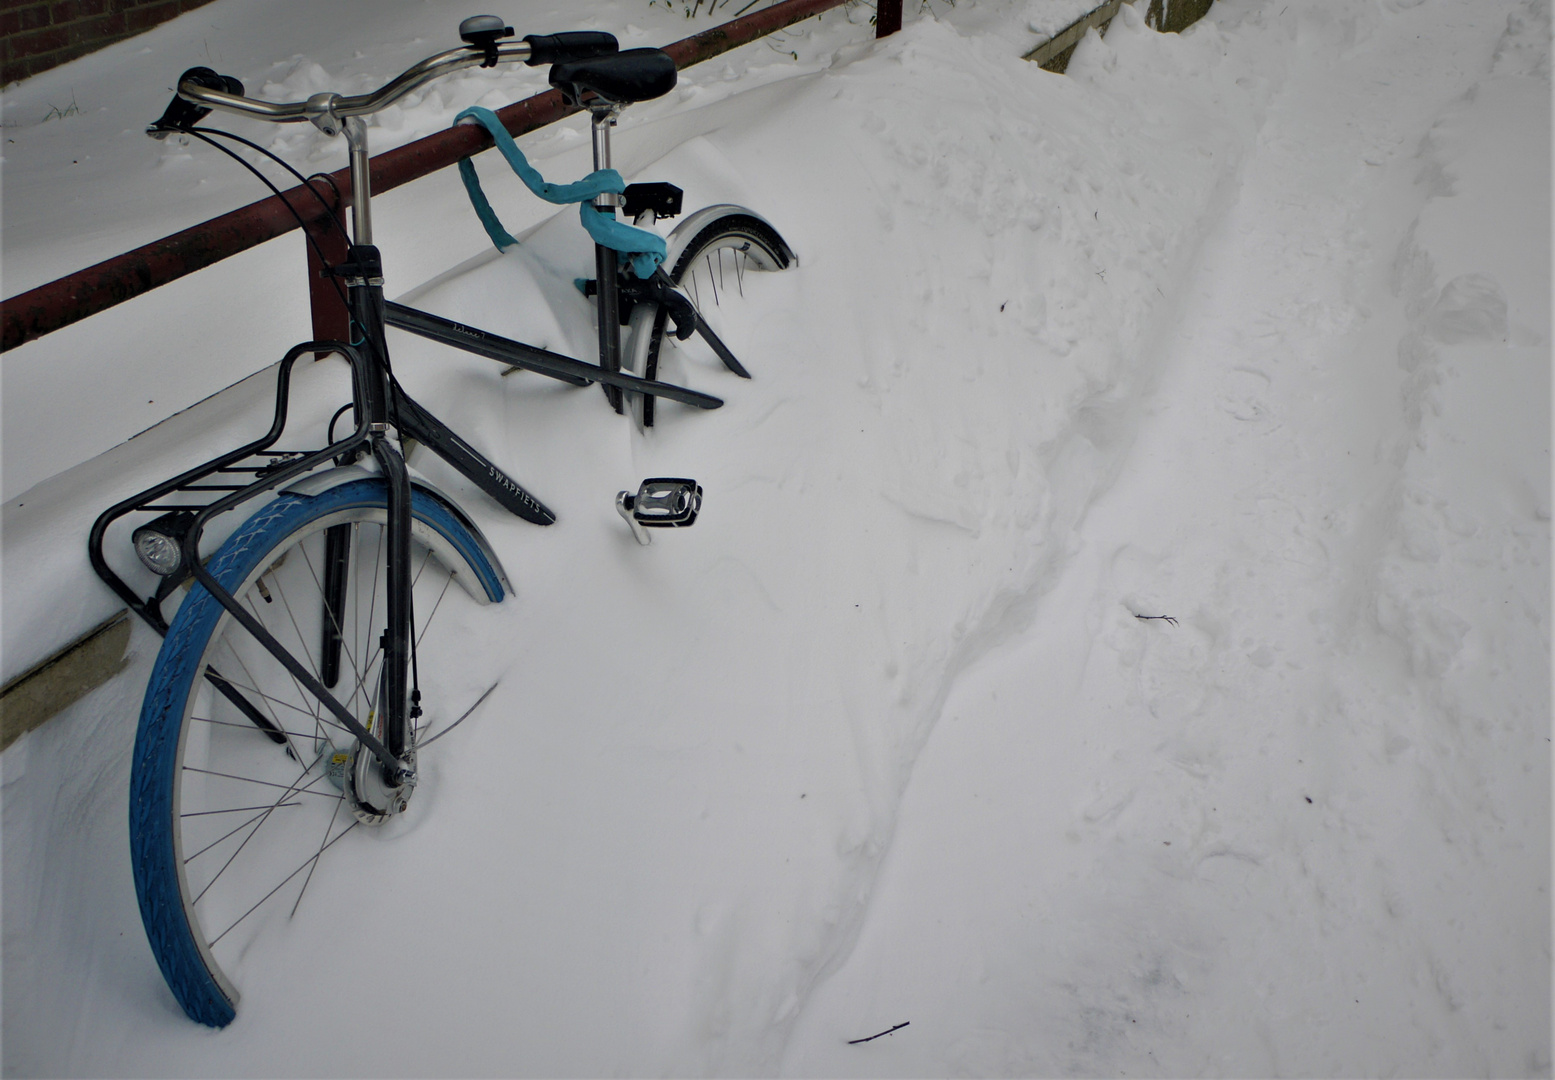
x=1163, y=618
x=887, y=1031
x=423, y=744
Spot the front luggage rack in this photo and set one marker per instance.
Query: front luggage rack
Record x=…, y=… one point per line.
x=182, y=507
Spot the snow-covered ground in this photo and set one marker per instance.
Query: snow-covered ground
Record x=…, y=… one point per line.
x=1248, y=327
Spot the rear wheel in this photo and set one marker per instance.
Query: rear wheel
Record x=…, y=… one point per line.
x=241, y=779
x=710, y=268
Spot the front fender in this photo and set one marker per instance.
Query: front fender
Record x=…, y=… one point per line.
x=447, y=553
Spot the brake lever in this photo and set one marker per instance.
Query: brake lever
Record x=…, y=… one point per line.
x=182, y=115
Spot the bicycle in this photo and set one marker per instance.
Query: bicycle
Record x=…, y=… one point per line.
x=286, y=703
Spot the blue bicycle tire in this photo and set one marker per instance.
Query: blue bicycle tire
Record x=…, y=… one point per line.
x=256, y=550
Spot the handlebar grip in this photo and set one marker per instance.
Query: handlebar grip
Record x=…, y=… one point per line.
x=568, y=46
x=181, y=114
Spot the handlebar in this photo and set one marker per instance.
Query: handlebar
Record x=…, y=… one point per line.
x=328, y=110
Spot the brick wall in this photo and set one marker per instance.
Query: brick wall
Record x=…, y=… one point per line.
x=35, y=35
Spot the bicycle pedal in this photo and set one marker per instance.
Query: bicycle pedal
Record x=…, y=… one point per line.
x=661, y=502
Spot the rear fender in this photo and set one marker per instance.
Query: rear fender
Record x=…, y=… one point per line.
x=686, y=231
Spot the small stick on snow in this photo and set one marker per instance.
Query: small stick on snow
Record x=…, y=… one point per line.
x=428, y=742
x=887, y=1031
x=1163, y=618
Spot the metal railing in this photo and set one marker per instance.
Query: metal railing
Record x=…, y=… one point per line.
x=79, y=667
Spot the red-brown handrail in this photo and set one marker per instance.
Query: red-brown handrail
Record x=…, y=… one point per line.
x=69, y=299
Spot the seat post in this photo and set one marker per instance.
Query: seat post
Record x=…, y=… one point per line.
x=605, y=261
x=604, y=118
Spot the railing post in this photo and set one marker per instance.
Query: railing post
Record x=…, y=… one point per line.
x=888, y=17
x=331, y=320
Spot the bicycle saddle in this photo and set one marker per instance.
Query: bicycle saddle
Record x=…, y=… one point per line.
x=633, y=75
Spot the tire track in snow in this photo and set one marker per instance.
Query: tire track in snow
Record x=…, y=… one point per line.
x=1139, y=847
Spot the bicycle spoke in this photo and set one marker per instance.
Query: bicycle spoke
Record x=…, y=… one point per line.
x=251, y=727
x=243, y=667
x=328, y=720
x=428, y=624
x=307, y=652
x=235, y=810
x=291, y=617
x=262, y=819
x=315, y=710
x=311, y=859
x=314, y=865
x=263, y=810
x=292, y=787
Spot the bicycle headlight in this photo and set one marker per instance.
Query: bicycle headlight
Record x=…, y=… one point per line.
x=159, y=543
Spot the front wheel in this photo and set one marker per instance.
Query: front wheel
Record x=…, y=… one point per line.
x=241, y=780
x=710, y=255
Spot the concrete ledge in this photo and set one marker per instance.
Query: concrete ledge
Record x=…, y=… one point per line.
x=1053, y=54
x=64, y=678
x=1167, y=16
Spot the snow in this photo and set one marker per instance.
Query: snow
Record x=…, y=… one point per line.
x=1247, y=326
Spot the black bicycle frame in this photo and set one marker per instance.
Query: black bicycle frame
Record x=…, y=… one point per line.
x=555, y=365
x=379, y=406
